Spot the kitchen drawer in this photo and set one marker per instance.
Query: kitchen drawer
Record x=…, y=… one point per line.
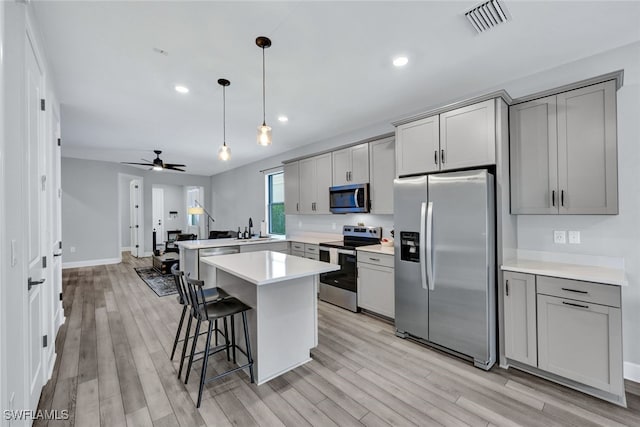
x=297, y=246
x=376, y=259
x=297, y=253
x=595, y=293
x=312, y=256
x=311, y=249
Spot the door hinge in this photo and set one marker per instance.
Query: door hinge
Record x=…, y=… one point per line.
x=42, y=104
x=60, y=296
x=58, y=142
x=44, y=262
x=137, y=226
x=44, y=341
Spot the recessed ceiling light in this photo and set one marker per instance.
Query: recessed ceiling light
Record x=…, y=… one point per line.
x=182, y=89
x=400, y=61
x=283, y=119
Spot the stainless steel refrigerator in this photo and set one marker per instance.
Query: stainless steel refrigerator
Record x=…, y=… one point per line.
x=445, y=262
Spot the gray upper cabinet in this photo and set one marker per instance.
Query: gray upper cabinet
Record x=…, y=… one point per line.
x=520, y=317
x=315, y=180
x=291, y=189
x=468, y=136
x=418, y=146
x=564, y=153
x=382, y=161
x=587, y=150
x=534, y=157
x=351, y=165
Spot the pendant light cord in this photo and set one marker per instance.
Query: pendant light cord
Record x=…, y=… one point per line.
x=264, y=115
x=224, y=116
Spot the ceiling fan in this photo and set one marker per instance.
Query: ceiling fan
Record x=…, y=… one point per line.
x=157, y=164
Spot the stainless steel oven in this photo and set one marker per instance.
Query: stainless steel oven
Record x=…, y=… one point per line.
x=340, y=287
x=353, y=198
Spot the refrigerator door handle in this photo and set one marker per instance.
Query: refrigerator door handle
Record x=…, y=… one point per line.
x=423, y=274
x=430, y=246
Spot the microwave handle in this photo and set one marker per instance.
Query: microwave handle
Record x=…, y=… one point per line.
x=355, y=196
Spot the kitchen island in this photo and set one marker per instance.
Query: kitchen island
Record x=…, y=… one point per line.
x=281, y=290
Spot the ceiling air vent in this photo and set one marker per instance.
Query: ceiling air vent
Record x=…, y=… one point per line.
x=487, y=15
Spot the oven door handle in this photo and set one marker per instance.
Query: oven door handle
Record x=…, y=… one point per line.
x=346, y=252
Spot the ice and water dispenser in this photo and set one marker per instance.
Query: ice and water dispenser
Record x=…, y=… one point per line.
x=410, y=246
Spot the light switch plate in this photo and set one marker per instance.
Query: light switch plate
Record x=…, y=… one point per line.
x=574, y=237
x=560, y=237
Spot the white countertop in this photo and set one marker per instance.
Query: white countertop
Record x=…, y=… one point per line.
x=313, y=240
x=589, y=273
x=378, y=249
x=264, y=267
x=219, y=243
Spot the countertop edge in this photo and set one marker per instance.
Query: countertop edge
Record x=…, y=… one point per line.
x=558, y=272
x=377, y=249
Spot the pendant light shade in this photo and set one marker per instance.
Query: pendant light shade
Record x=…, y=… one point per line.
x=264, y=131
x=224, y=153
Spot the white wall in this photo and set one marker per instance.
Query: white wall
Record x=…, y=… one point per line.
x=91, y=198
x=3, y=260
x=608, y=235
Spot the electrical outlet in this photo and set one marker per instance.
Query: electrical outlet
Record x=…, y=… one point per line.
x=72, y=249
x=560, y=237
x=574, y=237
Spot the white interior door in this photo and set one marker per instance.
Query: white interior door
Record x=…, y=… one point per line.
x=36, y=211
x=157, y=200
x=135, y=217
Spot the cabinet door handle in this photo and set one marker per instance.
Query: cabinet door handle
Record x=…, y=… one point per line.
x=442, y=156
x=562, y=197
x=553, y=197
x=575, y=305
x=574, y=290
x=297, y=209
x=350, y=176
x=507, y=288
x=346, y=176
x=435, y=157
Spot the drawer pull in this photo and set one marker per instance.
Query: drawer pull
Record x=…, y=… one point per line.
x=374, y=259
x=574, y=290
x=575, y=305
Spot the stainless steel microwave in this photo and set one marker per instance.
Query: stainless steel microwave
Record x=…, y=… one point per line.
x=352, y=198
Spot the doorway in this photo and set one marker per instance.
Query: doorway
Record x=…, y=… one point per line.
x=157, y=206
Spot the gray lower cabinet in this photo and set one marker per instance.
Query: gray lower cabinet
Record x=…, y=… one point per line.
x=282, y=247
x=568, y=331
x=564, y=153
x=520, y=317
x=376, y=283
x=581, y=341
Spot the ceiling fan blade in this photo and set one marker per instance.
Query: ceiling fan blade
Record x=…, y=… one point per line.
x=141, y=164
x=145, y=160
x=174, y=168
x=174, y=165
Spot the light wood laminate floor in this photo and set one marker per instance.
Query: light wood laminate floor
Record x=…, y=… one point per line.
x=113, y=369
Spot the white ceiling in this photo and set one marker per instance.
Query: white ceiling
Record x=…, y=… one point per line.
x=329, y=69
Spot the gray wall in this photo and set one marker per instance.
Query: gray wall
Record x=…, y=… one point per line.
x=90, y=200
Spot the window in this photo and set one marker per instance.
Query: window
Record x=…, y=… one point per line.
x=275, y=203
x=192, y=196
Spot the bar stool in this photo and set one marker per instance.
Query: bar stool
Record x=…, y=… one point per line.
x=211, y=312
x=211, y=294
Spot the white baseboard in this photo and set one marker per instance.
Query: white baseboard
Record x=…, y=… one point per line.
x=91, y=263
x=125, y=249
x=632, y=371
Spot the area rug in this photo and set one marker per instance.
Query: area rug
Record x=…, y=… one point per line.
x=162, y=285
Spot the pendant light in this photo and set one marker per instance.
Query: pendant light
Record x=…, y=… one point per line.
x=224, y=153
x=264, y=131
